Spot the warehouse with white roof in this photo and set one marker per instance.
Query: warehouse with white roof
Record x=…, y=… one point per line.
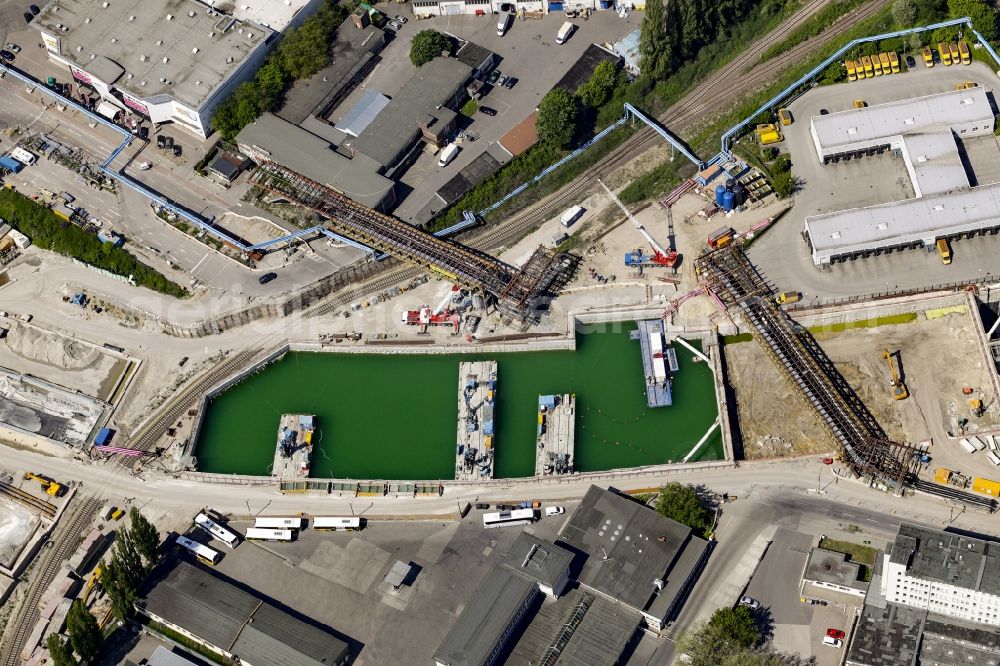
x=924, y=132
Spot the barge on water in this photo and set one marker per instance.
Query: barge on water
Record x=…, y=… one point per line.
x=293, y=452
x=659, y=362
x=477, y=385
x=556, y=434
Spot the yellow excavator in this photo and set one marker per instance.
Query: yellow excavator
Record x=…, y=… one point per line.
x=899, y=391
x=48, y=485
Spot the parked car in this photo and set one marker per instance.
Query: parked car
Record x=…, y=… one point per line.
x=34, y=9
x=11, y=46
x=482, y=505
x=509, y=83
x=750, y=603
x=823, y=112
x=395, y=26
x=554, y=510
x=28, y=16
x=6, y=55
x=832, y=642
x=267, y=277
x=502, y=81
x=836, y=633
x=910, y=62
x=399, y=19
x=143, y=132
x=177, y=151
x=161, y=141
x=494, y=75
x=487, y=110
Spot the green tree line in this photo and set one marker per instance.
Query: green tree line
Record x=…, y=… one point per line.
x=302, y=52
x=52, y=233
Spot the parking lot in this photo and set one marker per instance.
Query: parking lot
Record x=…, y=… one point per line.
x=782, y=253
x=526, y=44
x=336, y=578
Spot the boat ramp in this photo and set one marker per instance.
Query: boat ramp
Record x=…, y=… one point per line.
x=556, y=434
x=659, y=362
x=293, y=452
x=476, y=402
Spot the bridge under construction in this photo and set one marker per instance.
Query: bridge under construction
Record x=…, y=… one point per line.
x=517, y=293
x=866, y=449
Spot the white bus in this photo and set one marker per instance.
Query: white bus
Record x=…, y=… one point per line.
x=508, y=518
x=217, y=531
x=256, y=534
x=201, y=551
x=277, y=523
x=338, y=524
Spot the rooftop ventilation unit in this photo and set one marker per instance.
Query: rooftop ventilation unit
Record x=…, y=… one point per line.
x=165, y=60
x=249, y=35
x=658, y=584
x=142, y=83
x=92, y=56
x=170, y=17
x=87, y=20
x=65, y=28
x=143, y=58
x=79, y=48
x=197, y=83
x=131, y=18
x=105, y=4
x=191, y=13
x=163, y=80
x=128, y=77
x=159, y=42
x=229, y=60
x=211, y=34
x=194, y=50
x=114, y=40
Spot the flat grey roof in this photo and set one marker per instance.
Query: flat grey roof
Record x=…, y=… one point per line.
x=949, y=558
x=827, y=566
x=471, y=175
x=901, y=222
x=599, y=639
x=237, y=622
x=628, y=547
x=136, y=35
x=887, y=636
x=313, y=157
x=485, y=618
x=934, y=163
x=473, y=54
x=878, y=123
x=163, y=657
x=538, y=560
x=421, y=99
x=352, y=53
x=363, y=113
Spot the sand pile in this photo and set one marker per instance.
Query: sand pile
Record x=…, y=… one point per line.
x=51, y=349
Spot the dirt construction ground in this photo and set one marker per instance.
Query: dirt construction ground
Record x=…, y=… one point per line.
x=937, y=356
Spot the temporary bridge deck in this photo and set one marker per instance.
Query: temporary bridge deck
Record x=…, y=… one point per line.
x=865, y=447
x=515, y=291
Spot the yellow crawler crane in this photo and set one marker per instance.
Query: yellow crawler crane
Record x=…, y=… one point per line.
x=899, y=391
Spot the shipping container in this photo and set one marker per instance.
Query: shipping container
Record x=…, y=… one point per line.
x=992, y=457
x=986, y=487
x=967, y=445
x=785, y=116
x=942, y=475
x=976, y=442
x=10, y=164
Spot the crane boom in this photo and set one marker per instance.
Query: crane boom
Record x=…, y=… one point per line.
x=642, y=230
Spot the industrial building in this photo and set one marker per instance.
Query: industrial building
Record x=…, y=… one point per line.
x=236, y=624
x=427, y=8
x=924, y=132
x=425, y=108
x=830, y=570
x=944, y=573
x=166, y=60
x=501, y=601
x=912, y=223
x=269, y=138
x=858, y=132
x=633, y=555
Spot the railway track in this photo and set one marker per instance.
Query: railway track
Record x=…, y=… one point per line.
x=52, y=560
x=150, y=432
x=735, y=78
x=27, y=499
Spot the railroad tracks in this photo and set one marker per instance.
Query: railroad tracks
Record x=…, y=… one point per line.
x=27, y=499
x=51, y=561
x=151, y=431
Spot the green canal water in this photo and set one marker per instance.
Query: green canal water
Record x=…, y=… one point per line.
x=383, y=416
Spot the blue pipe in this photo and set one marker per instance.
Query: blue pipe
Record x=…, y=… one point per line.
x=667, y=136
x=729, y=135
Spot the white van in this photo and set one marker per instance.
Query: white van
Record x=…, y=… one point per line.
x=23, y=156
x=571, y=215
x=448, y=154
x=503, y=23
x=564, y=32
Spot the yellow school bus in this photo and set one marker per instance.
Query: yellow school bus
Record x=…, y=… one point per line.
x=894, y=62
x=963, y=52
x=851, y=74
x=945, y=53
x=867, y=62
x=928, y=56
x=876, y=64
x=886, y=67
x=955, y=56
x=944, y=251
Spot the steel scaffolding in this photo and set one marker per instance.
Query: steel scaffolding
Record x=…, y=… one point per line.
x=865, y=447
x=516, y=292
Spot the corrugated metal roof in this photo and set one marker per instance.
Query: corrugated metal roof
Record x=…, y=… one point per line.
x=900, y=222
x=882, y=121
x=363, y=112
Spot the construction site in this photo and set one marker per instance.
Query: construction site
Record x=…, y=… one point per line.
x=35, y=410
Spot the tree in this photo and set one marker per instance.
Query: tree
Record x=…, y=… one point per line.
x=599, y=87
x=122, y=594
x=145, y=537
x=904, y=13
x=84, y=632
x=427, y=45
x=557, y=118
x=681, y=503
x=654, y=45
x=60, y=651
x=983, y=15
x=736, y=624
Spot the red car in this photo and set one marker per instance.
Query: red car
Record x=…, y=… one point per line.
x=836, y=633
